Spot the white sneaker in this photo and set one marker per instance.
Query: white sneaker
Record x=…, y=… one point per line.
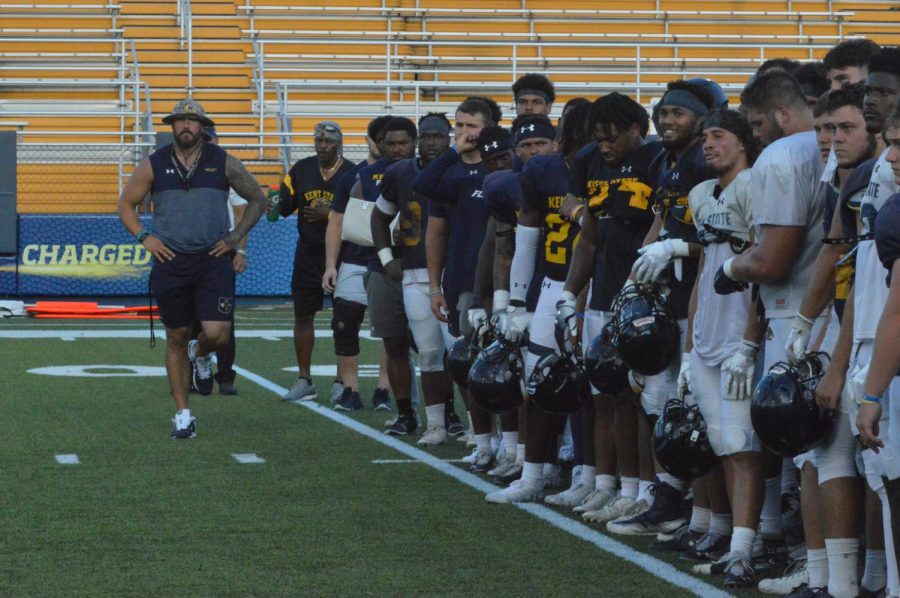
x=794, y=575
x=518, y=491
x=503, y=466
x=433, y=436
x=337, y=389
x=614, y=509
x=301, y=390
x=595, y=500
x=471, y=458
x=574, y=495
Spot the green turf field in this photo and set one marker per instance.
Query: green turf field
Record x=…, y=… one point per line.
x=144, y=515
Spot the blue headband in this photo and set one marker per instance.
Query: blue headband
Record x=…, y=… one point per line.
x=535, y=129
x=684, y=99
x=434, y=123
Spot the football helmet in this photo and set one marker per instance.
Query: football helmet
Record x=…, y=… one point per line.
x=495, y=379
x=604, y=366
x=784, y=412
x=460, y=359
x=680, y=442
x=558, y=384
x=646, y=332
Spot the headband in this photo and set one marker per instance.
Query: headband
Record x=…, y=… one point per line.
x=535, y=129
x=495, y=145
x=434, y=123
x=717, y=120
x=533, y=92
x=684, y=99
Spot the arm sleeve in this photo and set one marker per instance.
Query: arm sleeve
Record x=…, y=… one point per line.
x=430, y=180
x=387, y=200
x=522, y=270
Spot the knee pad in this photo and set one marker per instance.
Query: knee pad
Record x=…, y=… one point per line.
x=737, y=439
x=431, y=359
x=345, y=323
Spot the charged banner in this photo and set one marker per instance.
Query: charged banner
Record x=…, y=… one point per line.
x=93, y=255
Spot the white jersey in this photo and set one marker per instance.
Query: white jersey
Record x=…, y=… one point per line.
x=869, y=288
x=720, y=319
x=787, y=191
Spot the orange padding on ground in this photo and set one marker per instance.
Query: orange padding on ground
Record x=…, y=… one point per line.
x=84, y=308
x=96, y=316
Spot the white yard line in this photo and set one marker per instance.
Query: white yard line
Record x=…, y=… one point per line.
x=68, y=459
x=247, y=458
x=655, y=567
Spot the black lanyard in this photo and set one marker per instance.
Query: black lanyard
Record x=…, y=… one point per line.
x=185, y=176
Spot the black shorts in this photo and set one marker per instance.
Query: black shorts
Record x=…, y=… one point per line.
x=306, y=282
x=193, y=287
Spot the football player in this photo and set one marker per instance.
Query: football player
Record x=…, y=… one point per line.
x=533, y=94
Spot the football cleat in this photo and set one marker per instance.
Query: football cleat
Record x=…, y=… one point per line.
x=510, y=475
x=228, y=389
x=710, y=547
x=349, y=401
x=404, y=425
x=183, y=427
x=615, y=509
x=455, y=427
x=594, y=501
x=577, y=491
x=794, y=577
x=739, y=574
x=381, y=400
x=502, y=466
x=301, y=390
x=201, y=370
x=681, y=541
x=484, y=461
x=433, y=436
x=664, y=516
x=518, y=491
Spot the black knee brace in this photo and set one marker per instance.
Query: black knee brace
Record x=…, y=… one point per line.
x=345, y=323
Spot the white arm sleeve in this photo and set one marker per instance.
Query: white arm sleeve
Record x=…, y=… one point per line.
x=527, y=239
x=385, y=206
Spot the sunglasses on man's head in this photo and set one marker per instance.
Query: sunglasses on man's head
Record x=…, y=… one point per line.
x=327, y=128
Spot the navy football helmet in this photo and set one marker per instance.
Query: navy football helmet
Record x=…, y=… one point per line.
x=495, y=379
x=603, y=365
x=680, y=442
x=646, y=331
x=460, y=359
x=558, y=384
x=784, y=412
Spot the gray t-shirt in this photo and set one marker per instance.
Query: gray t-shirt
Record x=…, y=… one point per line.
x=786, y=191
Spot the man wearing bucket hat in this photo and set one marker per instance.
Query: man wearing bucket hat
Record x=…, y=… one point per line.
x=193, y=272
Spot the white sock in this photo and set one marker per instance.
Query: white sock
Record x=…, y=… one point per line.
x=588, y=474
x=510, y=442
x=720, y=523
x=605, y=483
x=434, y=415
x=644, y=493
x=742, y=542
x=532, y=473
x=629, y=487
x=469, y=417
x=520, y=453
x=817, y=567
x=672, y=481
x=183, y=418
x=495, y=443
x=770, y=519
x=842, y=566
x=700, y=517
x=483, y=443
x=875, y=576
x=790, y=476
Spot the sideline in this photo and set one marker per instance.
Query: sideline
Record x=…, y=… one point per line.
x=655, y=567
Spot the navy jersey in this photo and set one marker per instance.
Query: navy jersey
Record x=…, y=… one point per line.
x=503, y=196
x=887, y=233
x=847, y=208
x=350, y=252
x=454, y=189
x=676, y=178
x=370, y=178
x=619, y=199
x=397, y=188
x=303, y=186
x=545, y=182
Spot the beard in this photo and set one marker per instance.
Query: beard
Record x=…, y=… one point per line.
x=187, y=140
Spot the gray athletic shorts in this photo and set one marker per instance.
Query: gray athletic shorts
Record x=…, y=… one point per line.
x=387, y=316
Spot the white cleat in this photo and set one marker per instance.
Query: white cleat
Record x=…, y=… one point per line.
x=433, y=436
x=503, y=466
x=518, y=491
x=794, y=576
x=621, y=506
x=471, y=458
x=595, y=500
x=576, y=493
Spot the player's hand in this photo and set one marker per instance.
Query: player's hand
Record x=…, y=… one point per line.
x=439, y=306
x=316, y=213
x=329, y=279
x=828, y=392
x=513, y=323
x=223, y=247
x=724, y=284
x=654, y=258
x=867, y=422
x=158, y=249
x=571, y=208
x=478, y=318
x=239, y=262
x=738, y=370
x=566, y=320
x=798, y=339
x=394, y=270
x=684, y=376
x=465, y=142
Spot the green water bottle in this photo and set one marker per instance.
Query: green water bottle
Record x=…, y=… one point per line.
x=275, y=201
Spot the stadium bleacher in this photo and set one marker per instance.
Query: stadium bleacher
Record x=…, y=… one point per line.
x=87, y=83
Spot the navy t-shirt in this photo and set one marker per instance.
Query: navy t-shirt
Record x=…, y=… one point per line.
x=303, y=186
x=619, y=199
x=887, y=233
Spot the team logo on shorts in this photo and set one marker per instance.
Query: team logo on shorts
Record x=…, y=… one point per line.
x=225, y=305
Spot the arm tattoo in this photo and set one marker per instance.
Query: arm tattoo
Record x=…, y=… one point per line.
x=246, y=186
